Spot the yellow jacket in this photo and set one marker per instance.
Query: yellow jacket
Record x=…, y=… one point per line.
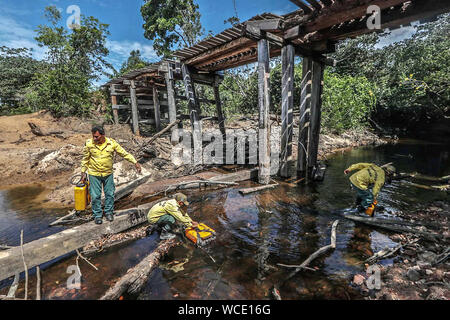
x=168, y=207
x=98, y=159
x=369, y=174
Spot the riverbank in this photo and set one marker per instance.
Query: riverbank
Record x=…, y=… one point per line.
x=421, y=268
x=52, y=158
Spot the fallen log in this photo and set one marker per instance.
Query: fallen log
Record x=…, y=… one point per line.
x=437, y=188
x=135, y=278
x=56, y=245
x=304, y=265
x=256, y=189
x=36, y=130
x=427, y=235
x=159, y=134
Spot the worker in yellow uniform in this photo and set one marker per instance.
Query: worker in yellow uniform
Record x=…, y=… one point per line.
x=367, y=183
x=98, y=164
x=167, y=213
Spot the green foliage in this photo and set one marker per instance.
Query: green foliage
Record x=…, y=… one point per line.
x=346, y=102
x=17, y=69
x=75, y=59
x=411, y=76
x=171, y=22
x=133, y=62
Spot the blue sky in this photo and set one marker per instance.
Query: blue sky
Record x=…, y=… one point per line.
x=20, y=18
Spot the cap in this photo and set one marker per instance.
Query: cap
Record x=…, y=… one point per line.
x=180, y=197
x=389, y=168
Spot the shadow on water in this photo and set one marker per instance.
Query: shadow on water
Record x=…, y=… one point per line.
x=257, y=231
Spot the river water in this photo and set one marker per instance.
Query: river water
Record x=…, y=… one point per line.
x=254, y=233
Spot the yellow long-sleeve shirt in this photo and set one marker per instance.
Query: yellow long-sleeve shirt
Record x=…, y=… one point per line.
x=168, y=207
x=368, y=174
x=98, y=159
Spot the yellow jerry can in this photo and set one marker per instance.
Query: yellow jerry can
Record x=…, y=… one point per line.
x=201, y=234
x=82, y=197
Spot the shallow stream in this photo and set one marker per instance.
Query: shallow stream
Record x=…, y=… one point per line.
x=255, y=232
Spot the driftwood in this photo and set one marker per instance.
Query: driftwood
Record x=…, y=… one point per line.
x=135, y=278
x=304, y=265
x=437, y=188
x=56, y=245
x=36, y=130
x=387, y=252
x=159, y=134
x=419, y=176
x=256, y=189
x=371, y=222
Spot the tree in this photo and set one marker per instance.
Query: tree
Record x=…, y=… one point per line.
x=170, y=23
x=75, y=59
x=17, y=69
x=133, y=62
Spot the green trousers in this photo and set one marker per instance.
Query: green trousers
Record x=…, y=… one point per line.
x=365, y=197
x=95, y=189
x=166, y=222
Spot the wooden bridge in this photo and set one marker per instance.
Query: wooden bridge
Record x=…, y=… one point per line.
x=310, y=32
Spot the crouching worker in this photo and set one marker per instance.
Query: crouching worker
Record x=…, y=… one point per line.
x=165, y=214
x=367, y=183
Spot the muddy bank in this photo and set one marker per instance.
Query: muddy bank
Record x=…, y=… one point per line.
x=421, y=269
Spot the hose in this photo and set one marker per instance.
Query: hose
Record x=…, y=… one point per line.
x=73, y=177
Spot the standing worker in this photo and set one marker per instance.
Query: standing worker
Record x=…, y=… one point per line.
x=368, y=182
x=166, y=213
x=98, y=163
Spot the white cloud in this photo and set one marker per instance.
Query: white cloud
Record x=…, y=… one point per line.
x=123, y=49
x=15, y=34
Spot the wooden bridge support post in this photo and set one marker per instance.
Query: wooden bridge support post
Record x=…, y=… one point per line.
x=134, y=108
x=157, y=109
x=115, y=111
x=194, y=114
x=316, y=110
x=220, y=116
x=172, y=105
x=305, y=107
x=264, y=109
x=287, y=108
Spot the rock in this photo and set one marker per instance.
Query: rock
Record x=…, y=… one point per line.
x=427, y=256
x=358, y=279
x=412, y=274
x=428, y=272
x=423, y=264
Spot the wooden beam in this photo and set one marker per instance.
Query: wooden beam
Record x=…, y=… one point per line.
x=264, y=111
x=267, y=24
x=305, y=108
x=220, y=50
x=315, y=4
x=316, y=109
x=115, y=112
x=172, y=104
x=134, y=108
x=190, y=95
x=287, y=107
x=220, y=115
x=303, y=6
x=157, y=109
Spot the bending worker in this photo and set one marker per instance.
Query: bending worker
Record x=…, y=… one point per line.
x=98, y=163
x=166, y=213
x=368, y=182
